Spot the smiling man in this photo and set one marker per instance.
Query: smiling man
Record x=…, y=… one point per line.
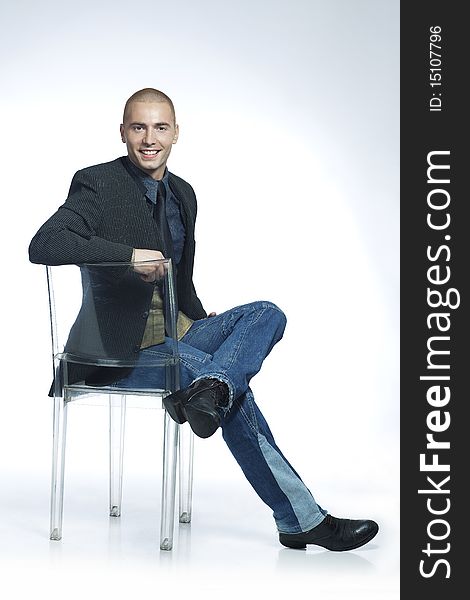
x=149, y=130
x=133, y=209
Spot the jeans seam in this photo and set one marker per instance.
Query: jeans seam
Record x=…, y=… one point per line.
x=252, y=423
x=242, y=337
x=188, y=357
x=201, y=326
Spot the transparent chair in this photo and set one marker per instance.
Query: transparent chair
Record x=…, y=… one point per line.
x=98, y=314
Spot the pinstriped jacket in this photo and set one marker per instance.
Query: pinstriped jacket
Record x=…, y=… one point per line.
x=103, y=219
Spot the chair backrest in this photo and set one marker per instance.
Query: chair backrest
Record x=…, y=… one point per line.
x=99, y=313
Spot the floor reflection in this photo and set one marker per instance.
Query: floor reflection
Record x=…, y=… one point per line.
x=319, y=560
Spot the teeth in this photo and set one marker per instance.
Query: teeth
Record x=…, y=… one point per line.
x=149, y=151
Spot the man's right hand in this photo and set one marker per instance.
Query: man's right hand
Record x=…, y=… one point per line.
x=150, y=272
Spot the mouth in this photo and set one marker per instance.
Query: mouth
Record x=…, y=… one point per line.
x=149, y=154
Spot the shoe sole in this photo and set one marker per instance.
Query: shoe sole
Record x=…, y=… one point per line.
x=303, y=545
x=203, y=423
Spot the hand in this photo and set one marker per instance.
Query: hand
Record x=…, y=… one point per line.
x=212, y=314
x=150, y=271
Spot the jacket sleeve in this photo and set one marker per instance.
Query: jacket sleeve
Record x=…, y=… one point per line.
x=200, y=311
x=70, y=235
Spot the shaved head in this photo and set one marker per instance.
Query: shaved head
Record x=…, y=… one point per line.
x=148, y=95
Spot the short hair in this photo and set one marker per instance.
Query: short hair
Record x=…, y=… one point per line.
x=148, y=95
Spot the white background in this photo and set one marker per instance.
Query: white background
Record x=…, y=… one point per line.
x=288, y=117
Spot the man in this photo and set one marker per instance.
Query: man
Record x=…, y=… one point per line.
x=111, y=215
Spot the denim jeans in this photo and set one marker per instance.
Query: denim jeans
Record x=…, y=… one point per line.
x=231, y=347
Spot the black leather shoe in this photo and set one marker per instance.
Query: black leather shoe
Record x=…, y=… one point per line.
x=333, y=534
x=198, y=404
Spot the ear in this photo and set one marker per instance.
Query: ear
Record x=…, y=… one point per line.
x=177, y=132
x=123, y=137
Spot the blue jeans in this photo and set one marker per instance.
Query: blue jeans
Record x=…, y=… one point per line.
x=231, y=347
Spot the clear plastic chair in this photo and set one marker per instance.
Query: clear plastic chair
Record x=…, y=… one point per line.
x=92, y=308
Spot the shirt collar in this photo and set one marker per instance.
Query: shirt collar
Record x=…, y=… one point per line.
x=150, y=184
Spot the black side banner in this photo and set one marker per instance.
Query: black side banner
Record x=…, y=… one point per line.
x=435, y=457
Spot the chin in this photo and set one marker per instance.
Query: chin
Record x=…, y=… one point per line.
x=147, y=166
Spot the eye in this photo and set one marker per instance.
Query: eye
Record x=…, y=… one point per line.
x=137, y=127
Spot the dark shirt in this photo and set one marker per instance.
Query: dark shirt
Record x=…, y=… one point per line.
x=155, y=330
x=173, y=213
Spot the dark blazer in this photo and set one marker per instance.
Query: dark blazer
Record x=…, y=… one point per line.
x=103, y=219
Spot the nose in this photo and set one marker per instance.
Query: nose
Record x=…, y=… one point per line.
x=150, y=136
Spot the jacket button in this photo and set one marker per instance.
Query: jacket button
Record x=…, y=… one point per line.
x=145, y=314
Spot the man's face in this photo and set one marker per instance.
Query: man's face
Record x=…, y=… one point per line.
x=149, y=131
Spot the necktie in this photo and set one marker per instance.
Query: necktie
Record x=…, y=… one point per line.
x=167, y=250
x=162, y=222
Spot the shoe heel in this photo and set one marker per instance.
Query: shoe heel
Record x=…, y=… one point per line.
x=296, y=546
x=290, y=543
x=181, y=417
x=175, y=410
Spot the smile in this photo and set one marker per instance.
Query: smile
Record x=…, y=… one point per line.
x=149, y=153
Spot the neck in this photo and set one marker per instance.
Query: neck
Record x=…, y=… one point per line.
x=157, y=175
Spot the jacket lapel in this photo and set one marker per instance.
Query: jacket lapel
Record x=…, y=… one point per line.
x=179, y=195
x=137, y=194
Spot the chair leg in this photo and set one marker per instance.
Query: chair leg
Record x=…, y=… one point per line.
x=185, y=451
x=58, y=463
x=170, y=443
x=117, y=419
